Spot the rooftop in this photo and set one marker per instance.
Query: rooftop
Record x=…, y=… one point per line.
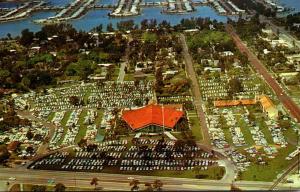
x=152, y=114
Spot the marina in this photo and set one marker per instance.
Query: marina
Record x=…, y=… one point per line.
x=98, y=13
x=126, y=8
x=75, y=10
x=21, y=12
x=178, y=6
x=226, y=7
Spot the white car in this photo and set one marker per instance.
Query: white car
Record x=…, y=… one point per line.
x=12, y=178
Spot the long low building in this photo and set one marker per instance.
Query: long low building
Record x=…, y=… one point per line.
x=153, y=118
x=268, y=107
x=229, y=103
x=266, y=103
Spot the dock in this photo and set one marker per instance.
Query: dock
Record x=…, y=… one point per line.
x=225, y=7
x=73, y=11
x=179, y=7
x=22, y=11
x=126, y=8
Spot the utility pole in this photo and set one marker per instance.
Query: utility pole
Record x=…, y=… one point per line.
x=298, y=152
x=75, y=181
x=163, y=117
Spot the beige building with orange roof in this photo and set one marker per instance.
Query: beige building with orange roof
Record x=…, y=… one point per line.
x=268, y=107
x=229, y=103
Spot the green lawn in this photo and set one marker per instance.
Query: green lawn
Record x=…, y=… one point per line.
x=228, y=136
x=98, y=121
x=63, y=123
x=245, y=130
x=116, y=73
x=195, y=124
x=269, y=172
x=129, y=77
x=82, y=128
x=51, y=116
x=211, y=173
x=150, y=77
x=178, y=77
x=291, y=136
x=265, y=130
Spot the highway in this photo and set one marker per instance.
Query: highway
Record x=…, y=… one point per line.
x=288, y=103
x=121, y=182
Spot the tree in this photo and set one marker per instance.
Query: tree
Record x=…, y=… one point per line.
x=82, y=142
x=157, y=185
x=234, y=188
x=27, y=37
x=110, y=28
x=59, y=187
x=235, y=85
x=38, y=188
x=135, y=185
x=99, y=28
x=8, y=36
x=251, y=116
x=4, y=154
x=285, y=124
x=29, y=135
x=95, y=182
x=29, y=149
x=159, y=83
x=148, y=187
x=4, y=73
x=74, y=100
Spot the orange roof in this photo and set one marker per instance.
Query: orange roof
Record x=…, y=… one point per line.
x=152, y=115
x=226, y=103
x=266, y=102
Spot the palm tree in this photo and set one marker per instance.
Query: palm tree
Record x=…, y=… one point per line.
x=148, y=187
x=234, y=188
x=59, y=187
x=8, y=36
x=95, y=181
x=158, y=184
x=38, y=188
x=134, y=183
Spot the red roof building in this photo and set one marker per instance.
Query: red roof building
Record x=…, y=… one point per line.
x=157, y=115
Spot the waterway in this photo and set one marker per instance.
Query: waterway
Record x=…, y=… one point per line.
x=291, y=4
x=96, y=17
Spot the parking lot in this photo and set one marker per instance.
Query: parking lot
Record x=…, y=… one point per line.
x=142, y=155
x=231, y=130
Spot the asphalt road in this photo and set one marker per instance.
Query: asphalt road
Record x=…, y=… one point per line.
x=196, y=90
x=288, y=103
x=51, y=127
x=121, y=182
x=122, y=72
